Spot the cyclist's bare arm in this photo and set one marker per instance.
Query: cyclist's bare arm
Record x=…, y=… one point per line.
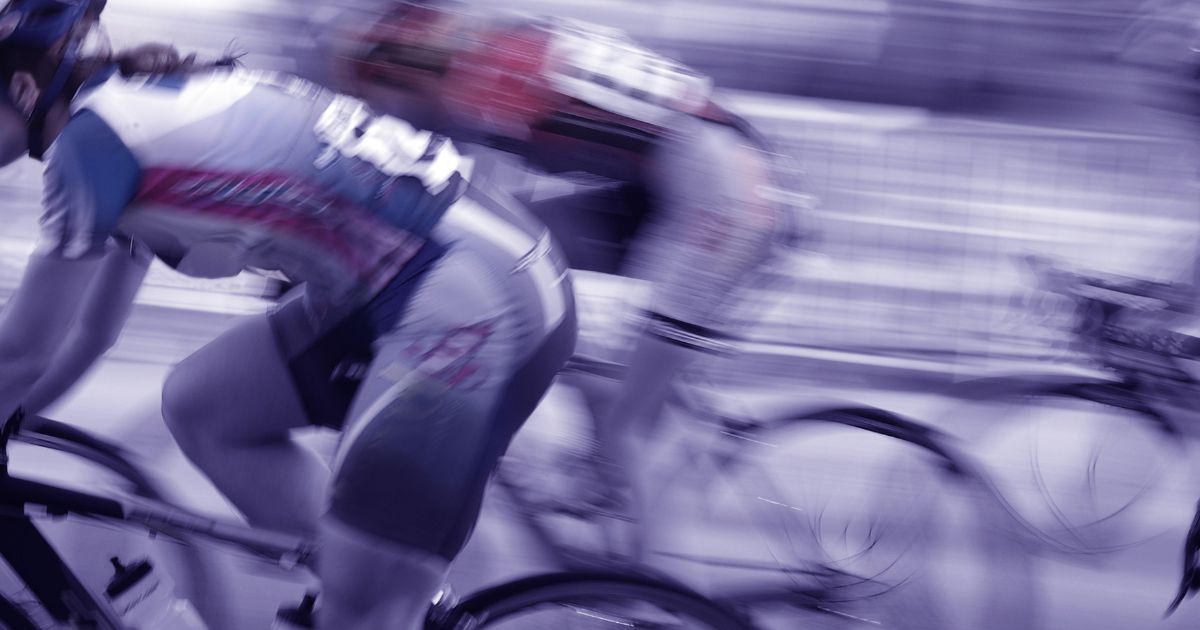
x=106, y=305
x=36, y=320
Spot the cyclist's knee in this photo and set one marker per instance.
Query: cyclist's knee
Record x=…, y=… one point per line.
x=197, y=415
x=183, y=406
x=235, y=391
x=414, y=472
x=370, y=582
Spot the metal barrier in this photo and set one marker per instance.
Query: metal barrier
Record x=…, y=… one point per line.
x=922, y=220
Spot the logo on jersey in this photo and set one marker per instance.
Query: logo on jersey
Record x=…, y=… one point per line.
x=452, y=357
x=348, y=128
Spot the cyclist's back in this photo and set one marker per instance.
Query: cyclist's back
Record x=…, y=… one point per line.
x=684, y=195
x=319, y=190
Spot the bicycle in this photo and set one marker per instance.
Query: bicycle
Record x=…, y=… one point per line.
x=1130, y=392
x=804, y=566
x=554, y=600
x=1143, y=370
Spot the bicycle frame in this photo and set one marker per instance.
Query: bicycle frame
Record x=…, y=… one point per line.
x=67, y=600
x=719, y=453
x=51, y=580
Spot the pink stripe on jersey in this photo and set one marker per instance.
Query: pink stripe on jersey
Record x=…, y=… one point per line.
x=373, y=249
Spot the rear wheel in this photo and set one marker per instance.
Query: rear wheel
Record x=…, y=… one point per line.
x=874, y=517
x=1087, y=465
x=583, y=601
x=826, y=520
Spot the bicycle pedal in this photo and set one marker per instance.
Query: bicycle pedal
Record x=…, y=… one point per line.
x=300, y=617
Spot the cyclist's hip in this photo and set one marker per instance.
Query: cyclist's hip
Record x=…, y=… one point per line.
x=477, y=301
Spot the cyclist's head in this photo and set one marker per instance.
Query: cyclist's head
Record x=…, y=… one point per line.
x=41, y=45
x=408, y=51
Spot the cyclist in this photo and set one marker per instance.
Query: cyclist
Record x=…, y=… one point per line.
x=690, y=194
x=431, y=321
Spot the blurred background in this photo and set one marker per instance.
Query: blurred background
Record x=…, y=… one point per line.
x=939, y=141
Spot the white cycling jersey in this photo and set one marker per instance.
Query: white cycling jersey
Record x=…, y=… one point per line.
x=320, y=190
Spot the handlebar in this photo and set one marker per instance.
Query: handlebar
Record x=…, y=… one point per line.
x=1101, y=299
x=1121, y=291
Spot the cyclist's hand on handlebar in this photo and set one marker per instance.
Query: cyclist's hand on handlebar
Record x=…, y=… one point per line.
x=152, y=59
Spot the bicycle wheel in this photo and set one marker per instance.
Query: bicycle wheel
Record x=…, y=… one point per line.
x=1087, y=465
x=875, y=518
x=589, y=601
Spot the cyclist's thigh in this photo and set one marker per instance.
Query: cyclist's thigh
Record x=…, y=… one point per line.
x=420, y=433
x=237, y=385
x=712, y=229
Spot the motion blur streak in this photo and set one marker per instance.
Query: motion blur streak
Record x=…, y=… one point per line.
x=941, y=143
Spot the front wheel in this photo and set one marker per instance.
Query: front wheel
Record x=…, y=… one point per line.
x=874, y=516
x=1089, y=466
x=587, y=601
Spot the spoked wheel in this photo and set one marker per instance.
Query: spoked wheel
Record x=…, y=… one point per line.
x=855, y=516
x=589, y=601
x=1087, y=465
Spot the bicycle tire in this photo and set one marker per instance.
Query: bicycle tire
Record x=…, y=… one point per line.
x=893, y=592
x=200, y=582
x=984, y=403
x=72, y=440
x=611, y=594
x=12, y=617
x=822, y=600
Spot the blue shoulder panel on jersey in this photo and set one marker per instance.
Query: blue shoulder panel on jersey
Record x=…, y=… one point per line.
x=99, y=176
x=175, y=82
